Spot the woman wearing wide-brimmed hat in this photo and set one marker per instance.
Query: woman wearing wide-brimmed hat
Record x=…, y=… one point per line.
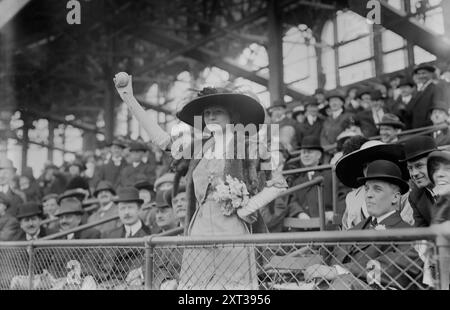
x=209, y=211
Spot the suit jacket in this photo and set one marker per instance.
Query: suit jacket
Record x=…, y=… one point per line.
x=332, y=128
x=15, y=200
x=418, y=109
x=423, y=206
x=100, y=215
x=368, y=126
x=306, y=200
x=395, y=262
x=129, y=175
x=442, y=137
x=311, y=130
x=9, y=228
x=108, y=172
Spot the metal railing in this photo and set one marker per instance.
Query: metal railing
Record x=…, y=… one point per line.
x=416, y=258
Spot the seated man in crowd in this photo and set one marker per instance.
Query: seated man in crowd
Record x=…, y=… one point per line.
x=70, y=214
x=439, y=116
x=30, y=217
x=390, y=127
x=179, y=205
x=105, y=194
x=420, y=197
x=7, y=174
x=354, y=165
x=165, y=215
x=304, y=203
x=9, y=226
x=50, y=207
x=374, y=266
x=147, y=213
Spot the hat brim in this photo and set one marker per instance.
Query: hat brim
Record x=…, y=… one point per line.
x=69, y=212
x=336, y=96
x=112, y=191
x=437, y=156
x=418, y=155
x=428, y=68
x=398, y=125
x=404, y=186
x=249, y=109
x=29, y=214
x=140, y=201
x=350, y=167
x=312, y=147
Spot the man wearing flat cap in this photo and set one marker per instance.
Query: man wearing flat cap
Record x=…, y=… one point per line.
x=421, y=196
x=111, y=169
x=374, y=266
x=136, y=170
x=390, y=127
x=428, y=93
x=105, y=193
x=304, y=203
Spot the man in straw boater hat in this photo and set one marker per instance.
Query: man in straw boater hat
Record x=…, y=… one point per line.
x=421, y=197
x=304, y=203
x=353, y=166
x=390, y=127
x=372, y=266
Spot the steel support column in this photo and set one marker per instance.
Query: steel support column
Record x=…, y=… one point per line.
x=51, y=140
x=275, y=52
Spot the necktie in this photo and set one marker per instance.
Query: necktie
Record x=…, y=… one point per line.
x=128, y=233
x=373, y=222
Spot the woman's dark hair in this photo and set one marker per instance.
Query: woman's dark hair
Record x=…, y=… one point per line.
x=353, y=144
x=434, y=164
x=234, y=115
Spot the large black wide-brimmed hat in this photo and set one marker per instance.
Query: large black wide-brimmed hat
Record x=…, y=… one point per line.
x=434, y=158
x=129, y=194
x=350, y=167
x=247, y=106
x=418, y=147
x=385, y=170
x=29, y=209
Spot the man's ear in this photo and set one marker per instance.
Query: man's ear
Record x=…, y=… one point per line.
x=396, y=199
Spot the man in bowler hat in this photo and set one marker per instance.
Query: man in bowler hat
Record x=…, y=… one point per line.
x=420, y=198
x=105, y=193
x=374, y=266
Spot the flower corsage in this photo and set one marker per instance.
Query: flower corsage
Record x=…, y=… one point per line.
x=232, y=194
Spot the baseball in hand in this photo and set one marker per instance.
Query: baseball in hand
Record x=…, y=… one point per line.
x=121, y=79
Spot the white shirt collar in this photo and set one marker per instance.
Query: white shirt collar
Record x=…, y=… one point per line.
x=35, y=237
x=136, y=164
x=385, y=216
x=70, y=236
x=336, y=114
x=311, y=119
x=423, y=86
x=116, y=160
x=107, y=207
x=377, y=115
x=133, y=228
x=5, y=188
x=406, y=99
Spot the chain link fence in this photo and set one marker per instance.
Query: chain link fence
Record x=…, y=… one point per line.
x=291, y=261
